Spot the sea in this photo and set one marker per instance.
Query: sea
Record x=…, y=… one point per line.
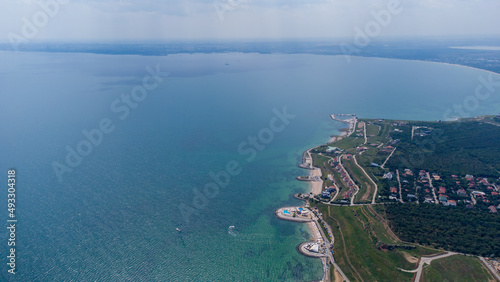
x=113, y=153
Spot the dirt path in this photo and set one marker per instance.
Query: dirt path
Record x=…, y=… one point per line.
x=336, y=276
x=382, y=166
x=400, y=188
x=433, y=189
x=345, y=248
x=413, y=131
x=366, y=138
x=384, y=222
x=370, y=221
x=410, y=258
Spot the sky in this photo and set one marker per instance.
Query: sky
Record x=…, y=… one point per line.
x=114, y=20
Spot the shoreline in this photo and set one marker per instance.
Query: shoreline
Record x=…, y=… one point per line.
x=322, y=244
x=315, y=188
x=335, y=138
x=437, y=62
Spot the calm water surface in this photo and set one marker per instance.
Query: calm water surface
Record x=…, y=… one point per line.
x=114, y=216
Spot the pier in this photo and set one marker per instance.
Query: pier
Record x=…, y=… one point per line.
x=308, y=178
x=306, y=160
x=349, y=119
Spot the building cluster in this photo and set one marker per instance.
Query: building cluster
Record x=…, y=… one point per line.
x=494, y=263
x=327, y=194
x=345, y=177
x=449, y=190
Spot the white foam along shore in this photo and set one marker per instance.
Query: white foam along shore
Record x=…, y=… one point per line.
x=316, y=188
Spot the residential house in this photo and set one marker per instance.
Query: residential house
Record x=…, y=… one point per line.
x=325, y=195
x=442, y=190
x=388, y=175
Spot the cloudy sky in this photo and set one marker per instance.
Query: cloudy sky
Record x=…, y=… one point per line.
x=99, y=20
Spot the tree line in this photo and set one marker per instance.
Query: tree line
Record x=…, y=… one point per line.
x=460, y=230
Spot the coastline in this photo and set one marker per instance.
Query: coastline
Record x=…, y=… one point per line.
x=323, y=247
x=315, y=186
x=315, y=247
x=317, y=225
x=437, y=62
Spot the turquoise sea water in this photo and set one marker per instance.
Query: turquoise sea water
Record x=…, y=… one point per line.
x=114, y=216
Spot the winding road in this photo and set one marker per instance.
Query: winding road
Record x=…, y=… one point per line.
x=428, y=260
x=374, y=184
x=350, y=179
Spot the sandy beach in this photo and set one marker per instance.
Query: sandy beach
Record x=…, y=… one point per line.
x=316, y=186
x=343, y=134
x=334, y=138
x=314, y=231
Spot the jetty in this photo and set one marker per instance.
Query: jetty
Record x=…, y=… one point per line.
x=307, y=160
x=308, y=178
x=350, y=119
x=345, y=118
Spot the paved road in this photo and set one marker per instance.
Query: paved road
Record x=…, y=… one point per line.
x=350, y=179
x=433, y=190
x=473, y=199
x=427, y=260
x=329, y=246
x=491, y=268
x=375, y=184
x=366, y=138
x=400, y=188
x=413, y=131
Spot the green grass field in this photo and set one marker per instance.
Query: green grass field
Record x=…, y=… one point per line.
x=348, y=143
x=366, y=187
x=360, y=257
x=322, y=162
x=338, y=179
x=456, y=268
x=372, y=129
